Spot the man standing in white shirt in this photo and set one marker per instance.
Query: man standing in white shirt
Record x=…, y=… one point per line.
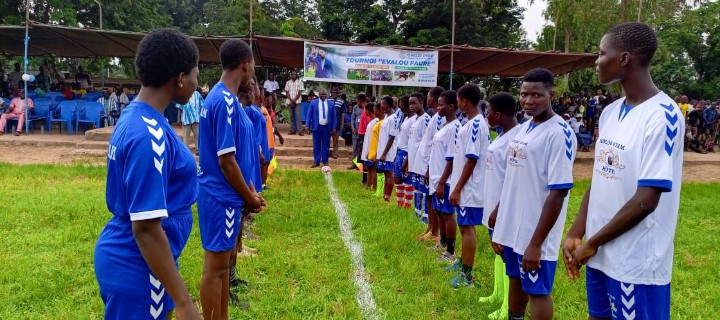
x=293, y=89
x=270, y=84
x=629, y=214
x=533, y=201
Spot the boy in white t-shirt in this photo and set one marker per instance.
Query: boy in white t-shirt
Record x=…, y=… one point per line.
x=533, y=202
x=629, y=214
x=387, y=149
x=416, y=134
x=467, y=181
x=421, y=167
x=440, y=168
x=403, y=187
x=501, y=114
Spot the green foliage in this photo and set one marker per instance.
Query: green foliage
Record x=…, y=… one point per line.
x=299, y=28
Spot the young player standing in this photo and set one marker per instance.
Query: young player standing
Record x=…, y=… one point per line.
x=387, y=149
x=371, y=169
x=501, y=114
x=440, y=168
x=401, y=159
x=151, y=186
x=533, y=202
x=421, y=166
x=467, y=182
x=629, y=213
x=228, y=163
x=416, y=135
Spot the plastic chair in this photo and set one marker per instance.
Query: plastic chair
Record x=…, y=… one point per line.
x=40, y=112
x=91, y=115
x=68, y=110
x=93, y=96
x=7, y=101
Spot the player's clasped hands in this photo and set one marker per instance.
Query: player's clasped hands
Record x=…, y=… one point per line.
x=576, y=254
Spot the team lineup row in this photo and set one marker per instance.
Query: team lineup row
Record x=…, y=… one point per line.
x=627, y=216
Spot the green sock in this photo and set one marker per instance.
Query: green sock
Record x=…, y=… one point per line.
x=499, y=276
x=506, y=290
x=380, y=190
x=467, y=270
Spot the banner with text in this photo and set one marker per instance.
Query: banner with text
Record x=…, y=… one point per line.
x=370, y=65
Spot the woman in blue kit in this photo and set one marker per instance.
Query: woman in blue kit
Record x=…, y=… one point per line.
x=151, y=186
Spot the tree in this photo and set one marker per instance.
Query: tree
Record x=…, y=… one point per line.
x=231, y=18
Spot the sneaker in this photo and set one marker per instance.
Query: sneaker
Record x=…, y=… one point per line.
x=461, y=281
x=437, y=247
x=423, y=236
x=16, y=133
x=447, y=258
x=315, y=165
x=250, y=236
x=455, y=267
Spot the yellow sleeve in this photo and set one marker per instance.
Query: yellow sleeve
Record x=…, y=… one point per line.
x=372, y=154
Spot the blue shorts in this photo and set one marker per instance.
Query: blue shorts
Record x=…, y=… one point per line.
x=469, y=216
x=150, y=302
x=386, y=165
x=219, y=224
x=539, y=282
x=368, y=164
x=443, y=205
x=399, y=160
x=420, y=185
x=609, y=298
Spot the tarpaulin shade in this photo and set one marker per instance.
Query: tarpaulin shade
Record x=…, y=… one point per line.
x=52, y=40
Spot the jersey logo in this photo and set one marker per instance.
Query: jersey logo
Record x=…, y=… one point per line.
x=568, y=140
x=611, y=164
x=157, y=292
x=229, y=222
x=475, y=130
x=159, y=149
x=111, y=152
x=628, y=300
x=438, y=124
x=230, y=109
x=489, y=162
x=671, y=129
x=516, y=154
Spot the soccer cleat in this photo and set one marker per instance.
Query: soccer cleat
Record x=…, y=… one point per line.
x=455, y=267
x=461, y=280
x=447, y=258
x=237, y=283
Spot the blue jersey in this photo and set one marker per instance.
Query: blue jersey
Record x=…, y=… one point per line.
x=224, y=128
x=151, y=174
x=261, y=140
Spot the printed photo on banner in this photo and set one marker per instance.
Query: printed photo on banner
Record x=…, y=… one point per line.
x=370, y=65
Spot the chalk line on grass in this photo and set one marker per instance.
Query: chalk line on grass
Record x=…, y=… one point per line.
x=363, y=295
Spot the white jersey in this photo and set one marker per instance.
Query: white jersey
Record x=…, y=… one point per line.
x=496, y=161
x=438, y=154
x=540, y=159
x=423, y=155
x=366, y=141
x=387, y=129
x=404, y=136
x=641, y=146
x=472, y=142
x=416, y=135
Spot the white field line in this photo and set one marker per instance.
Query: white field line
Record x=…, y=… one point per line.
x=363, y=295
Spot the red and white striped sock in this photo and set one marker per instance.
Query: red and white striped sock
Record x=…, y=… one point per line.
x=400, y=194
x=409, y=195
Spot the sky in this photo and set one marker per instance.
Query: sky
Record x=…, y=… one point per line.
x=533, y=20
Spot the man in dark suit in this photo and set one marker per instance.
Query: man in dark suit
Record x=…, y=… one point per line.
x=323, y=65
x=321, y=121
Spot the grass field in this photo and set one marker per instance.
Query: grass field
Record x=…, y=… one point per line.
x=51, y=217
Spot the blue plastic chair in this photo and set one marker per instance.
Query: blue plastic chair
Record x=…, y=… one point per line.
x=40, y=112
x=93, y=96
x=68, y=111
x=7, y=101
x=92, y=114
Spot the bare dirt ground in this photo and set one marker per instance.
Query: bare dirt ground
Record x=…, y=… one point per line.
x=703, y=168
